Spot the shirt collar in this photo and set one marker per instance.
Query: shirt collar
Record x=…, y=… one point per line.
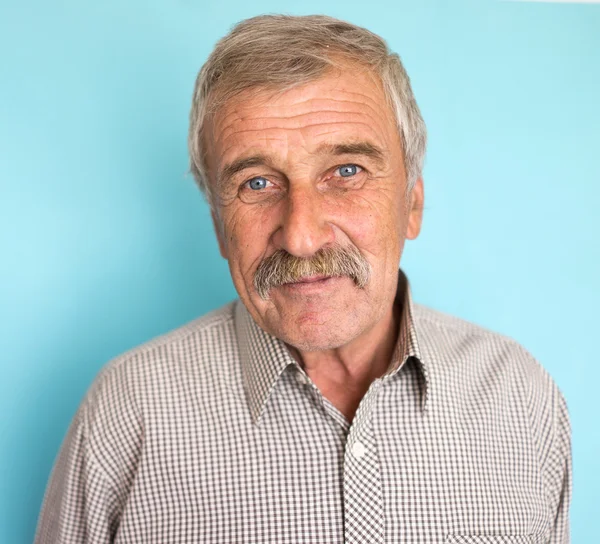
x=264, y=357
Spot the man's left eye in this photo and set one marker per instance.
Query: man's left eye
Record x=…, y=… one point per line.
x=348, y=170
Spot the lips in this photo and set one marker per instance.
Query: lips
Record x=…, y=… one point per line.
x=311, y=279
x=309, y=283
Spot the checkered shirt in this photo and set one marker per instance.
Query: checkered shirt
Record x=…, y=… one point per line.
x=214, y=433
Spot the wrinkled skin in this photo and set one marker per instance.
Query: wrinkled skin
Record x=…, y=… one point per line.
x=343, y=335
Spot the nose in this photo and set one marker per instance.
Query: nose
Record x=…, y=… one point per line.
x=304, y=227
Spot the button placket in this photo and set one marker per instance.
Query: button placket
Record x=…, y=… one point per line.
x=359, y=450
x=363, y=497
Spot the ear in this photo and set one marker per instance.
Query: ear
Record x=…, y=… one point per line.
x=415, y=210
x=219, y=232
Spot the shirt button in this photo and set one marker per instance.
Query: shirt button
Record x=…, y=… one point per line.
x=358, y=450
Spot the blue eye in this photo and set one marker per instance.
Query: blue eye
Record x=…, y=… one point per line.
x=348, y=170
x=257, y=183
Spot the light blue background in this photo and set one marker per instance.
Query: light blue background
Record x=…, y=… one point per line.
x=106, y=243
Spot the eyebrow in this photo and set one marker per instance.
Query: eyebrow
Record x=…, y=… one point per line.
x=365, y=148
x=234, y=167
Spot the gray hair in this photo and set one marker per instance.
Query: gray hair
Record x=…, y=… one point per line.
x=282, y=51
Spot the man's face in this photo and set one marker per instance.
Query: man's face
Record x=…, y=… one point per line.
x=305, y=169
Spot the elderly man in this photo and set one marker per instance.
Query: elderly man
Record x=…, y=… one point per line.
x=324, y=405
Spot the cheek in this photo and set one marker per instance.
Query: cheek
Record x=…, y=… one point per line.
x=370, y=219
x=247, y=234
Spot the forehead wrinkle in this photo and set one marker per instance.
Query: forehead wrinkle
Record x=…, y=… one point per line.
x=284, y=141
x=311, y=121
x=246, y=109
x=372, y=91
x=285, y=116
x=320, y=102
x=286, y=113
x=361, y=99
x=364, y=128
x=254, y=144
x=334, y=83
x=240, y=107
x=272, y=121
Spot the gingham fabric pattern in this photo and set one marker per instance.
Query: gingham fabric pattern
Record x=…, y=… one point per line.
x=213, y=433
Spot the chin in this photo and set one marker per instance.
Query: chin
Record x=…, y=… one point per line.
x=319, y=320
x=316, y=336
x=314, y=344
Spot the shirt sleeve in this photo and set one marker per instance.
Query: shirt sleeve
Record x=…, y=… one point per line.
x=560, y=474
x=79, y=505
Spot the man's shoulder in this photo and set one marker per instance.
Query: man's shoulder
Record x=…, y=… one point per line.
x=158, y=367
x=172, y=345
x=141, y=392
x=432, y=319
x=215, y=319
x=158, y=375
x=463, y=348
x=450, y=332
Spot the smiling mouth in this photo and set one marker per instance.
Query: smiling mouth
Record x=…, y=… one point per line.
x=310, y=279
x=311, y=283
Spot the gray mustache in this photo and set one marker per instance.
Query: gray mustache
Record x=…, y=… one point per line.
x=282, y=267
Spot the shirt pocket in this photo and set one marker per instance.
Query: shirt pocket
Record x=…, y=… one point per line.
x=489, y=539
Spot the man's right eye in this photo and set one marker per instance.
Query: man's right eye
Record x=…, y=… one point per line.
x=257, y=183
